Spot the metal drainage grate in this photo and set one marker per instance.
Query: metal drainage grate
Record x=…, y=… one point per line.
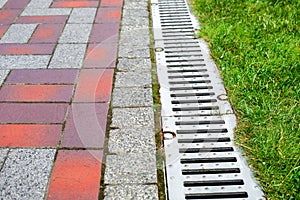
x=202, y=161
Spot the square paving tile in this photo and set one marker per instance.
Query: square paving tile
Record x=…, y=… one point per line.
x=36, y=93
x=68, y=56
x=130, y=169
x=32, y=113
x=132, y=117
x=47, y=33
x=94, y=85
x=43, y=76
x=86, y=125
x=107, y=33
x=132, y=97
x=101, y=56
x=76, y=175
x=25, y=173
x=108, y=15
x=111, y=3
x=29, y=135
x=138, y=140
x=136, y=192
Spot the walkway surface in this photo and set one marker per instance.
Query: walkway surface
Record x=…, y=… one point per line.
x=61, y=120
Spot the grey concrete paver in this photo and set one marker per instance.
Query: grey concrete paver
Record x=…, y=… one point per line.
x=134, y=65
x=134, y=97
x=138, y=140
x=131, y=79
x=127, y=51
x=136, y=192
x=3, y=2
x=82, y=16
x=135, y=37
x=24, y=61
x=39, y=4
x=18, y=33
x=3, y=74
x=132, y=117
x=25, y=173
x=130, y=168
x=46, y=12
x=75, y=33
x=68, y=56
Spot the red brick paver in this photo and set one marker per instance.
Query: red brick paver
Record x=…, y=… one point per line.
x=94, y=85
x=76, y=175
x=29, y=135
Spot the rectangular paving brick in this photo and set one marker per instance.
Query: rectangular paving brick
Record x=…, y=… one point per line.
x=42, y=19
x=32, y=113
x=8, y=16
x=94, y=85
x=24, y=61
x=18, y=33
x=101, y=56
x=112, y=3
x=47, y=33
x=75, y=4
x=76, y=175
x=29, y=135
x=86, y=126
x=46, y=12
x=82, y=15
x=36, y=93
x=42, y=76
x=26, y=49
x=76, y=33
x=107, y=33
x=68, y=56
x=108, y=15
x=25, y=173
x=13, y=4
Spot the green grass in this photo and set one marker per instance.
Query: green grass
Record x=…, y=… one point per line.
x=255, y=43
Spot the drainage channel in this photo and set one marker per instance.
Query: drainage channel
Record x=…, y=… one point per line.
x=198, y=123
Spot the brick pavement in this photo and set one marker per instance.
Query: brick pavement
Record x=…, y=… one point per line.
x=57, y=63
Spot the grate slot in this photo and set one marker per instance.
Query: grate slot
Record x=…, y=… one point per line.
x=192, y=101
x=228, y=195
x=203, y=140
x=203, y=150
x=210, y=171
x=193, y=131
x=191, y=88
x=196, y=108
x=207, y=160
x=189, y=82
x=213, y=183
x=189, y=76
x=193, y=94
x=199, y=122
